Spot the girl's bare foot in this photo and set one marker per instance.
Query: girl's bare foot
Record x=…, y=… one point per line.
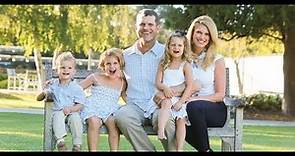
x=161, y=135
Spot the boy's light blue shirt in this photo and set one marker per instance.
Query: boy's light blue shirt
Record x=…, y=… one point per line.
x=140, y=71
x=66, y=95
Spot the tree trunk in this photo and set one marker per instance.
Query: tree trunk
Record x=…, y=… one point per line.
x=55, y=54
x=89, y=59
x=39, y=68
x=288, y=106
x=241, y=89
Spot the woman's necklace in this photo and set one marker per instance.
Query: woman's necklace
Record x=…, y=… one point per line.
x=200, y=58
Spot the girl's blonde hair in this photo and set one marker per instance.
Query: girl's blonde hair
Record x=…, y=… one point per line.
x=65, y=56
x=213, y=43
x=186, y=53
x=115, y=52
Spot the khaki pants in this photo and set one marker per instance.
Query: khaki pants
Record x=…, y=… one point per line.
x=130, y=119
x=73, y=121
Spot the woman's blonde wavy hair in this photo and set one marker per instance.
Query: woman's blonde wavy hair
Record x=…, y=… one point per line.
x=213, y=43
x=186, y=51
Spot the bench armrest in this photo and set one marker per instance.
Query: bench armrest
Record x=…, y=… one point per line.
x=233, y=102
x=49, y=98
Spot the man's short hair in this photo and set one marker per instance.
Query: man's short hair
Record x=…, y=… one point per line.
x=149, y=12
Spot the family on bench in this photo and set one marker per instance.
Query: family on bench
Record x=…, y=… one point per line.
x=180, y=89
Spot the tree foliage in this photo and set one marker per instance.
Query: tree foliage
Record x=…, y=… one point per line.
x=233, y=21
x=77, y=28
x=253, y=22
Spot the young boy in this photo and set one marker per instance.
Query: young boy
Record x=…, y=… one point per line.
x=68, y=98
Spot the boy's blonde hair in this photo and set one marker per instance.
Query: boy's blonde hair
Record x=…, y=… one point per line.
x=186, y=51
x=115, y=52
x=65, y=56
x=213, y=43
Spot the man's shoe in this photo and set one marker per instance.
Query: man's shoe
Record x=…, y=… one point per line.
x=76, y=148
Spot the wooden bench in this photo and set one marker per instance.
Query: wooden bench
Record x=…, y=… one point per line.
x=231, y=134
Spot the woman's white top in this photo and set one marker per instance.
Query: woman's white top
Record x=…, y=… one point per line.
x=205, y=77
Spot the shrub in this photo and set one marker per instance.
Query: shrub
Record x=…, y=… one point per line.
x=263, y=102
x=3, y=77
x=3, y=84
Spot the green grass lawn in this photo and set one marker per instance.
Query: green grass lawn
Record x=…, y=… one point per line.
x=23, y=100
x=23, y=132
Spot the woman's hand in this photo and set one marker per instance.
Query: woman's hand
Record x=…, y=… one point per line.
x=177, y=106
x=159, y=97
x=168, y=92
x=195, y=98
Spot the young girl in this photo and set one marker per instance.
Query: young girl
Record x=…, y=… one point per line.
x=107, y=87
x=174, y=69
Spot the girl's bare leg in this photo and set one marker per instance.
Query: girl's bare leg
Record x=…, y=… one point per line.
x=94, y=123
x=114, y=134
x=180, y=134
x=163, y=118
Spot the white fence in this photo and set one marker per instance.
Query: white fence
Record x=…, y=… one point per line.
x=259, y=73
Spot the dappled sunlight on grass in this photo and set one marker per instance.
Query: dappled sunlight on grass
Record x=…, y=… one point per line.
x=21, y=132
x=19, y=95
x=267, y=138
x=20, y=100
x=103, y=145
x=255, y=147
x=215, y=143
x=9, y=96
x=24, y=134
x=272, y=133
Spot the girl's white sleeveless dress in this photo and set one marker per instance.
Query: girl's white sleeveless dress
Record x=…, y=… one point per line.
x=102, y=102
x=173, y=77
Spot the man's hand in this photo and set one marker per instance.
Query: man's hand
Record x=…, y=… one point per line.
x=159, y=97
x=67, y=110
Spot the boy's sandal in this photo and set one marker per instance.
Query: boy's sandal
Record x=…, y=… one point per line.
x=61, y=146
x=41, y=97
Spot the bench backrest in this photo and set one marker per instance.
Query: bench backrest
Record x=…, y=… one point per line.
x=231, y=134
x=83, y=73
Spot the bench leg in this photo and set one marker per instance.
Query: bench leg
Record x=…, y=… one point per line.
x=49, y=140
x=227, y=144
x=239, y=129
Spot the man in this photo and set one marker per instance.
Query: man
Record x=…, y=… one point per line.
x=141, y=62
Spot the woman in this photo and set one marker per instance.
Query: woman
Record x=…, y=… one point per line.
x=205, y=108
